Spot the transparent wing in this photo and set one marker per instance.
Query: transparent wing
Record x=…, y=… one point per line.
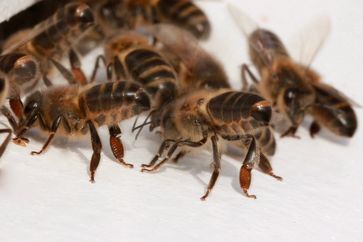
x=22, y=37
x=242, y=20
x=179, y=42
x=305, y=45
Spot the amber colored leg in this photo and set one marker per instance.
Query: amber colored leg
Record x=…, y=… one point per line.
x=266, y=167
x=17, y=107
x=248, y=163
x=96, y=147
x=54, y=129
x=78, y=74
x=117, y=146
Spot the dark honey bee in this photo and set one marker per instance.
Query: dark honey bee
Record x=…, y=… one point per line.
x=76, y=110
x=217, y=115
x=54, y=37
x=131, y=57
x=294, y=88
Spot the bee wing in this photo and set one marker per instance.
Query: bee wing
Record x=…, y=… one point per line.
x=309, y=41
x=247, y=26
x=323, y=87
x=178, y=41
x=23, y=37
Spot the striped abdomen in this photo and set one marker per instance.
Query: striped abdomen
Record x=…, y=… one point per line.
x=65, y=27
x=235, y=106
x=22, y=71
x=334, y=112
x=264, y=46
x=157, y=76
x=112, y=102
x=187, y=15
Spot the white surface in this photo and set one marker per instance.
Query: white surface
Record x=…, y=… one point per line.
x=49, y=198
x=10, y=8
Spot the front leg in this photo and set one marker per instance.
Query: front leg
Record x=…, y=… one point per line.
x=54, y=128
x=216, y=166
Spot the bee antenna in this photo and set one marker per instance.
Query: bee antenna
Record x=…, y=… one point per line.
x=141, y=126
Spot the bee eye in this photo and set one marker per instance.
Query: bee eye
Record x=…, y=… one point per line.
x=290, y=95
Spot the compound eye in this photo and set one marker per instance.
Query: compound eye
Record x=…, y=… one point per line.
x=290, y=95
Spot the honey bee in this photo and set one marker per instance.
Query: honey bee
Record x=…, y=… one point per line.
x=76, y=110
x=294, y=88
x=217, y=115
x=131, y=57
x=113, y=16
x=52, y=38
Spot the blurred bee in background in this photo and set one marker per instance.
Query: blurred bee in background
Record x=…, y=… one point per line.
x=294, y=88
x=113, y=16
x=207, y=108
x=75, y=110
x=196, y=67
x=53, y=38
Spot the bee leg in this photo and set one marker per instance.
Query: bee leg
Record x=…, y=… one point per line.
x=17, y=107
x=165, y=145
x=6, y=112
x=55, y=126
x=266, y=167
x=117, y=146
x=97, y=66
x=216, y=167
x=246, y=70
x=6, y=141
x=166, y=158
x=77, y=72
x=181, y=154
x=290, y=132
x=64, y=72
x=248, y=163
x=314, y=129
x=46, y=81
x=118, y=68
x=28, y=122
x=96, y=146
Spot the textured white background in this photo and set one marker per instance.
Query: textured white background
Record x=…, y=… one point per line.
x=49, y=198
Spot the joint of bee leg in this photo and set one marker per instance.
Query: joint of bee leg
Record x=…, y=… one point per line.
x=275, y=176
x=248, y=195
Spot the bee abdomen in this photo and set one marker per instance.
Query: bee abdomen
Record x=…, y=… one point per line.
x=232, y=106
x=65, y=27
x=187, y=15
x=146, y=66
x=107, y=96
